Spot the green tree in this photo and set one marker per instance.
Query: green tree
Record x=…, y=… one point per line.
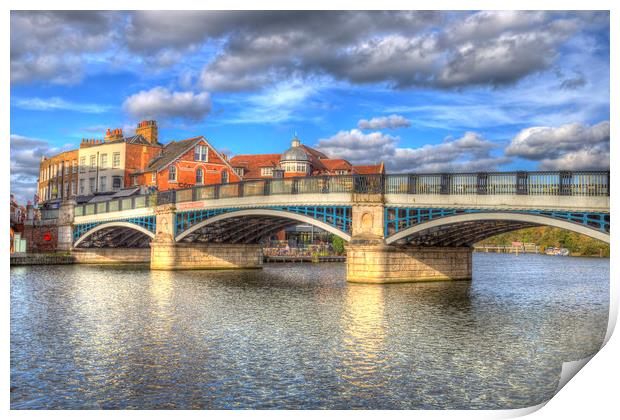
x=338, y=244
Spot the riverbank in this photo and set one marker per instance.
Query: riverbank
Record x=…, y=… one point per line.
x=42, y=259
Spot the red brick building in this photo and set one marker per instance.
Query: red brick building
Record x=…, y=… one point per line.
x=298, y=160
x=186, y=163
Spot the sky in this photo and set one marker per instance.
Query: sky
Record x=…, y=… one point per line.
x=421, y=91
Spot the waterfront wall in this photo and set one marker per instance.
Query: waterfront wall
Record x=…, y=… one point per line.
x=41, y=259
x=111, y=255
x=194, y=256
x=390, y=264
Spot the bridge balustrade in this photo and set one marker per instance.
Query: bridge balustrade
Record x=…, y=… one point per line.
x=577, y=183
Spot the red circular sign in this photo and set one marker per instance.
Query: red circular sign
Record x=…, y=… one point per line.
x=47, y=236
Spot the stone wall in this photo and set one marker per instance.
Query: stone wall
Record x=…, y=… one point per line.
x=111, y=255
x=193, y=256
x=41, y=259
x=391, y=264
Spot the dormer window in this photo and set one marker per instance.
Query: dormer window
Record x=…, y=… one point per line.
x=200, y=153
x=267, y=171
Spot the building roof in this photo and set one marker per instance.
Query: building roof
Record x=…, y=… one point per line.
x=174, y=150
x=335, y=164
x=170, y=152
x=253, y=163
x=369, y=169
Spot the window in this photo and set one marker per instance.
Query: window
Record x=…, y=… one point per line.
x=172, y=173
x=104, y=160
x=200, y=153
x=83, y=164
x=238, y=171
x=116, y=182
x=93, y=162
x=153, y=177
x=266, y=171
x=116, y=159
x=66, y=189
x=134, y=180
x=341, y=172
x=74, y=165
x=224, y=177
x=82, y=181
x=67, y=168
x=91, y=185
x=73, y=187
x=103, y=181
x=199, y=176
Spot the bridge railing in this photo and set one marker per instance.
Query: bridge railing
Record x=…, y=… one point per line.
x=577, y=183
x=113, y=205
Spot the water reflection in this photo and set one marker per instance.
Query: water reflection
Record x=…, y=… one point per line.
x=298, y=336
x=363, y=337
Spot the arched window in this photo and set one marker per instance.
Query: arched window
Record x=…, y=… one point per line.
x=199, y=176
x=224, y=177
x=172, y=173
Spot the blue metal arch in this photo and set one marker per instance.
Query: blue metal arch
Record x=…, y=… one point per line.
x=147, y=222
x=336, y=216
x=399, y=218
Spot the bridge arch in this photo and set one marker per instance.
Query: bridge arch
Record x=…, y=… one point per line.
x=131, y=230
x=286, y=218
x=491, y=223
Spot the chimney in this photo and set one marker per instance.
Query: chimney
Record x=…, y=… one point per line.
x=148, y=130
x=111, y=135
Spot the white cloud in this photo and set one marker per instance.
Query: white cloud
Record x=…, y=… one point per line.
x=378, y=123
x=277, y=104
x=469, y=153
x=570, y=146
x=359, y=147
x=26, y=153
x=160, y=102
x=55, y=103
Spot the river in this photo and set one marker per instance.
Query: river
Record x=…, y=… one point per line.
x=299, y=336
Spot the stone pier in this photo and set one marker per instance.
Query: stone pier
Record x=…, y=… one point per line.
x=65, y=225
x=166, y=254
x=371, y=260
x=391, y=264
x=196, y=256
x=111, y=255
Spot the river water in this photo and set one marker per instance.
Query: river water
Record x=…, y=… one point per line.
x=299, y=336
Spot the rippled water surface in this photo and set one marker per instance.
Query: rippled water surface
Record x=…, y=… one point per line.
x=299, y=336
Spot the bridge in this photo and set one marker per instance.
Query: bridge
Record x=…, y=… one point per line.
x=398, y=227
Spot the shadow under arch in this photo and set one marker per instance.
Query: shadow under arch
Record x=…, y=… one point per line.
x=118, y=233
x=239, y=224
x=469, y=228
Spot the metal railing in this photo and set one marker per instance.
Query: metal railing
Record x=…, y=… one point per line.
x=117, y=204
x=577, y=183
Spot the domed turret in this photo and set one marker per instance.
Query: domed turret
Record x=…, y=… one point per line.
x=295, y=159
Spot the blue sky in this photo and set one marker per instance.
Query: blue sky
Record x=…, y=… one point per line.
x=422, y=91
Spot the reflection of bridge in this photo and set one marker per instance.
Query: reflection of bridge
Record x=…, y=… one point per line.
x=398, y=227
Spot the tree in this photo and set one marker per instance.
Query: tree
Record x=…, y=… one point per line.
x=338, y=244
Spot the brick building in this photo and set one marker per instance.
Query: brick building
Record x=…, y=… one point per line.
x=58, y=177
x=106, y=165
x=298, y=160
x=186, y=163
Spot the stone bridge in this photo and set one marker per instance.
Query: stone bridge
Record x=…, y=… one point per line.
x=397, y=227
